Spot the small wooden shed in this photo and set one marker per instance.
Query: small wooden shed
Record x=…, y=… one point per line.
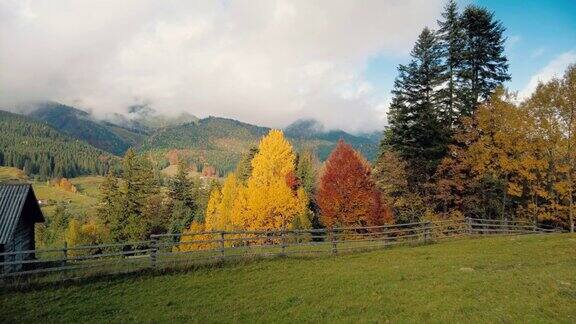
x=19, y=211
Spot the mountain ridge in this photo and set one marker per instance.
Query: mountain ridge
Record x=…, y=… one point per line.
x=217, y=141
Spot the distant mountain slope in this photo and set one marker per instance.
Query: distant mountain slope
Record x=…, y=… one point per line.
x=39, y=149
x=144, y=119
x=210, y=133
x=307, y=132
x=221, y=142
x=80, y=124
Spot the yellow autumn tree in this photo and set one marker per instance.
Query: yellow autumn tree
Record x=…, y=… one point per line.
x=240, y=209
x=221, y=205
x=192, y=237
x=212, y=207
x=269, y=202
x=504, y=150
x=553, y=107
x=87, y=232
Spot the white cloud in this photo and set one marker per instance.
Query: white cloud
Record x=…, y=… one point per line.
x=512, y=41
x=554, y=68
x=538, y=52
x=266, y=62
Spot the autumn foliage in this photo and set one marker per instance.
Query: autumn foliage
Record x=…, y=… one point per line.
x=347, y=196
x=272, y=197
x=65, y=185
x=515, y=161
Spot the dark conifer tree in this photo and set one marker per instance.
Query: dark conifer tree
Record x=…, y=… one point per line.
x=181, y=187
x=484, y=65
x=416, y=130
x=111, y=207
x=451, y=38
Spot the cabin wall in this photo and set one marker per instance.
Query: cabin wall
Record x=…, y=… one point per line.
x=24, y=236
x=22, y=240
x=8, y=247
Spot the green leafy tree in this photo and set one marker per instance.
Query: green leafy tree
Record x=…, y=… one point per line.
x=52, y=231
x=244, y=166
x=306, y=173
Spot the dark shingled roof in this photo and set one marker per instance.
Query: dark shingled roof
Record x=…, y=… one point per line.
x=13, y=198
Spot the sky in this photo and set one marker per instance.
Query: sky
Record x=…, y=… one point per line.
x=268, y=62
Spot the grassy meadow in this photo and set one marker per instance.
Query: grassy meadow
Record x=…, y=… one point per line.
x=528, y=278
x=85, y=198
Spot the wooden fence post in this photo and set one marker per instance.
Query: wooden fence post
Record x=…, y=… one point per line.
x=333, y=239
x=428, y=232
x=65, y=254
x=222, y=245
x=469, y=224
x=283, y=242
x=154, y=252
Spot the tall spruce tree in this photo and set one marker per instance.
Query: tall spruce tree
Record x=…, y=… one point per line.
x=416, y=130
x=451, y=38
x=126, y=200
x=181, y=187
x=138, y=175
x=110, y=208
x=184, y=203
x=484, y=65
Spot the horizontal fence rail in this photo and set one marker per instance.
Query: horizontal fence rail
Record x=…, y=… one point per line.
x=164, y=251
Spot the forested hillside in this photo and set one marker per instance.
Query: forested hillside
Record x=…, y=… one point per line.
x=213, y=141
x=311, y=134
x=221, y=141
x=81, y=125
x=39, y=149
x=211, y=133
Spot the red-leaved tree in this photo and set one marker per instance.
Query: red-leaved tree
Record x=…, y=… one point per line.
x=347, y=196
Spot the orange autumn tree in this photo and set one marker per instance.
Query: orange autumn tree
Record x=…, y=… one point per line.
x=347, y=195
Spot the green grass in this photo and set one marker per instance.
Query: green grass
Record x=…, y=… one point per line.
x=88, y=185
x=78, y=202
x=9, y=174
x=498, y=279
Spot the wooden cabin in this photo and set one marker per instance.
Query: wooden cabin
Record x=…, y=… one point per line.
x=19, y=211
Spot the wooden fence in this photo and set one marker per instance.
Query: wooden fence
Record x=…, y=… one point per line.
x=175, y=250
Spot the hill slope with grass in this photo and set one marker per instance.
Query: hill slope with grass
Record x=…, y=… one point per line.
x=494, y=279
x=80, y=202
